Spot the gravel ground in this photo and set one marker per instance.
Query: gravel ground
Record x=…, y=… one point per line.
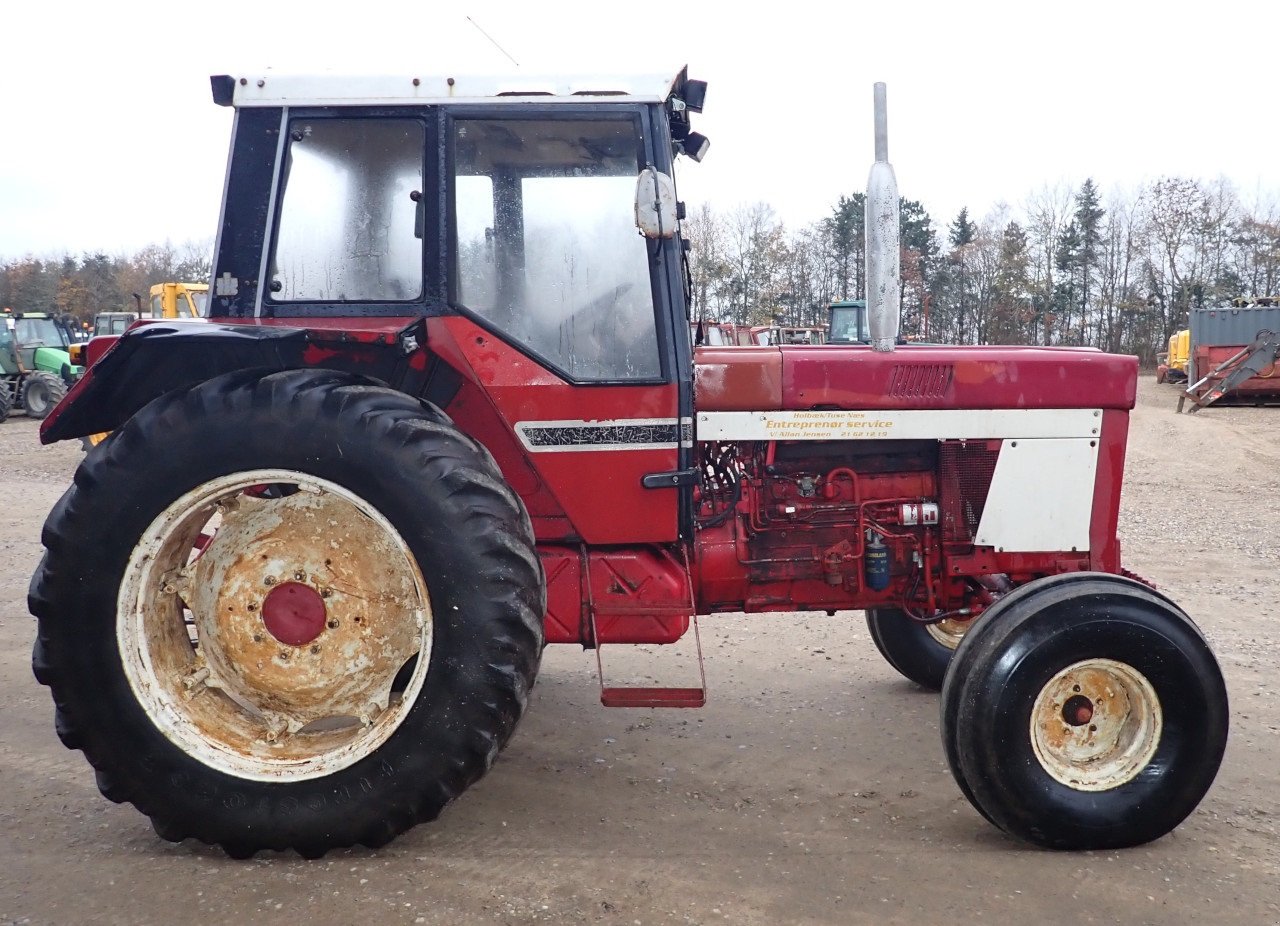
x=811, y=789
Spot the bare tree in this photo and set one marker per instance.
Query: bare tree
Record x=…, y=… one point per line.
x=1048, y=212
x=753, y=242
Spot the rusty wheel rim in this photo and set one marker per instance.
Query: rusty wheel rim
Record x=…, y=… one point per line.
x=1096, y=725
x=948, y=632
x=274, y=626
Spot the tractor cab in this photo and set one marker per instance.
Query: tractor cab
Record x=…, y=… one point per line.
x=847, y=322
x=524, y=230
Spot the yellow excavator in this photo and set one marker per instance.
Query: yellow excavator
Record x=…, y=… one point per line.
x=1171, y=364
x=167, y=300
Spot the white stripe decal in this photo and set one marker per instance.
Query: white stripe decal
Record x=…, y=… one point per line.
x=944, y=424
x=572, y=436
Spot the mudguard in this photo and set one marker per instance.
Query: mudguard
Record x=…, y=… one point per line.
x=153, y=359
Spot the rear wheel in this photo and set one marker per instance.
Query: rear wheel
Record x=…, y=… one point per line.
x=318, y=626
x=6, y=397
x=1085, y=712
x=40, y=393
x=920, y=652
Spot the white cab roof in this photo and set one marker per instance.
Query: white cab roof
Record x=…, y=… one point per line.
x=270, y=89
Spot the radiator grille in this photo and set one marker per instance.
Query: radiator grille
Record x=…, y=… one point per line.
x=920, y=380
x=965, y=470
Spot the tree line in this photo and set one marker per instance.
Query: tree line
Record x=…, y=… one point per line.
x=1066, y=268
x=79, y=287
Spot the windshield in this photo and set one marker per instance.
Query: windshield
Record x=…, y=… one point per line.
x=545, y=243
x=40, y=332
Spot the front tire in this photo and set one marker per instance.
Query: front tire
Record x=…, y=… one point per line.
x=41, y=392
x=1085, y=712
x=313, y=623
x=920, y=652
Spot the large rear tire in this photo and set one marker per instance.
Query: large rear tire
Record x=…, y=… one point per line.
x=1085, y=712
x=40, y=393
x=283, y=611
x=6, y=397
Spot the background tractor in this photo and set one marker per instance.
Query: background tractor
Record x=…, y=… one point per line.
x=447, y=410
x=35, y=363
x=847, y=322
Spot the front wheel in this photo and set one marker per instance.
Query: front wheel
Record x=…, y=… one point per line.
x=920, y=652
x=1085, y=713
x=40, y=393
x=314, y=623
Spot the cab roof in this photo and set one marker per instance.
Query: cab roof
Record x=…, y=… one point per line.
x=270, y=89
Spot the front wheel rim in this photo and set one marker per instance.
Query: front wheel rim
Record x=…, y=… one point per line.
x=949, y=632
x=1095, y=725
x=274, y=626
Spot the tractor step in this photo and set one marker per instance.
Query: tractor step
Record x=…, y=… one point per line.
x=653, y=697
x=647, y=696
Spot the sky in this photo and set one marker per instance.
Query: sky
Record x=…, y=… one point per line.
x=109, y=139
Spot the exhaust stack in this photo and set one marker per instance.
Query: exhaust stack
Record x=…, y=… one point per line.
x=884, y=284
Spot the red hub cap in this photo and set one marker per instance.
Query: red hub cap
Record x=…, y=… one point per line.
x=294, y=613
x=1077, y=711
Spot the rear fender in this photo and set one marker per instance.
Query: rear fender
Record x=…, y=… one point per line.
x=151, y=360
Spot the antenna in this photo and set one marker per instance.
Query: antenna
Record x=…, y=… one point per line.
x=494, y=43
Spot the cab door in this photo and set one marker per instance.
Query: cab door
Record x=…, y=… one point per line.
x=576, y=346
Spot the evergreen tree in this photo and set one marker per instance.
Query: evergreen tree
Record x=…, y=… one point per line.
x=1088, y=223
x=1067, y=262
x=961, y=236
x=1013, y=308
x=845, y=228
x=919, y=257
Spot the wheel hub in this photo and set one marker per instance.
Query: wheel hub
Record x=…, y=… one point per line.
x=1096, y=724
x=294, y=613
x=264, y=632
x=1077, y=711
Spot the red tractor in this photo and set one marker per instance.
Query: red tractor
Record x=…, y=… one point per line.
x=447, y=410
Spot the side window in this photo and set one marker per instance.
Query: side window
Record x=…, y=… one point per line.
x=348, y=230
x=546, y=247
x=157, y=306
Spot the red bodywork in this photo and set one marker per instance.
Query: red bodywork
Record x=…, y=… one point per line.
x=610, y=546
x=780, y=525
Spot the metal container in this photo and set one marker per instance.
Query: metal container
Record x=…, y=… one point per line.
x=1227, y=325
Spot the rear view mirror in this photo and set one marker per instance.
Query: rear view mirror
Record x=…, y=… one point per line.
x=655, y=204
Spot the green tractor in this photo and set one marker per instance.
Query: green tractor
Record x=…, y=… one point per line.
x=35, y=363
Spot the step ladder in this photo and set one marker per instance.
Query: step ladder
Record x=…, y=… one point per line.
x=652, y=696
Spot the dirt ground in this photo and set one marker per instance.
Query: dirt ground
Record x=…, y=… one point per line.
x=811, y=789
